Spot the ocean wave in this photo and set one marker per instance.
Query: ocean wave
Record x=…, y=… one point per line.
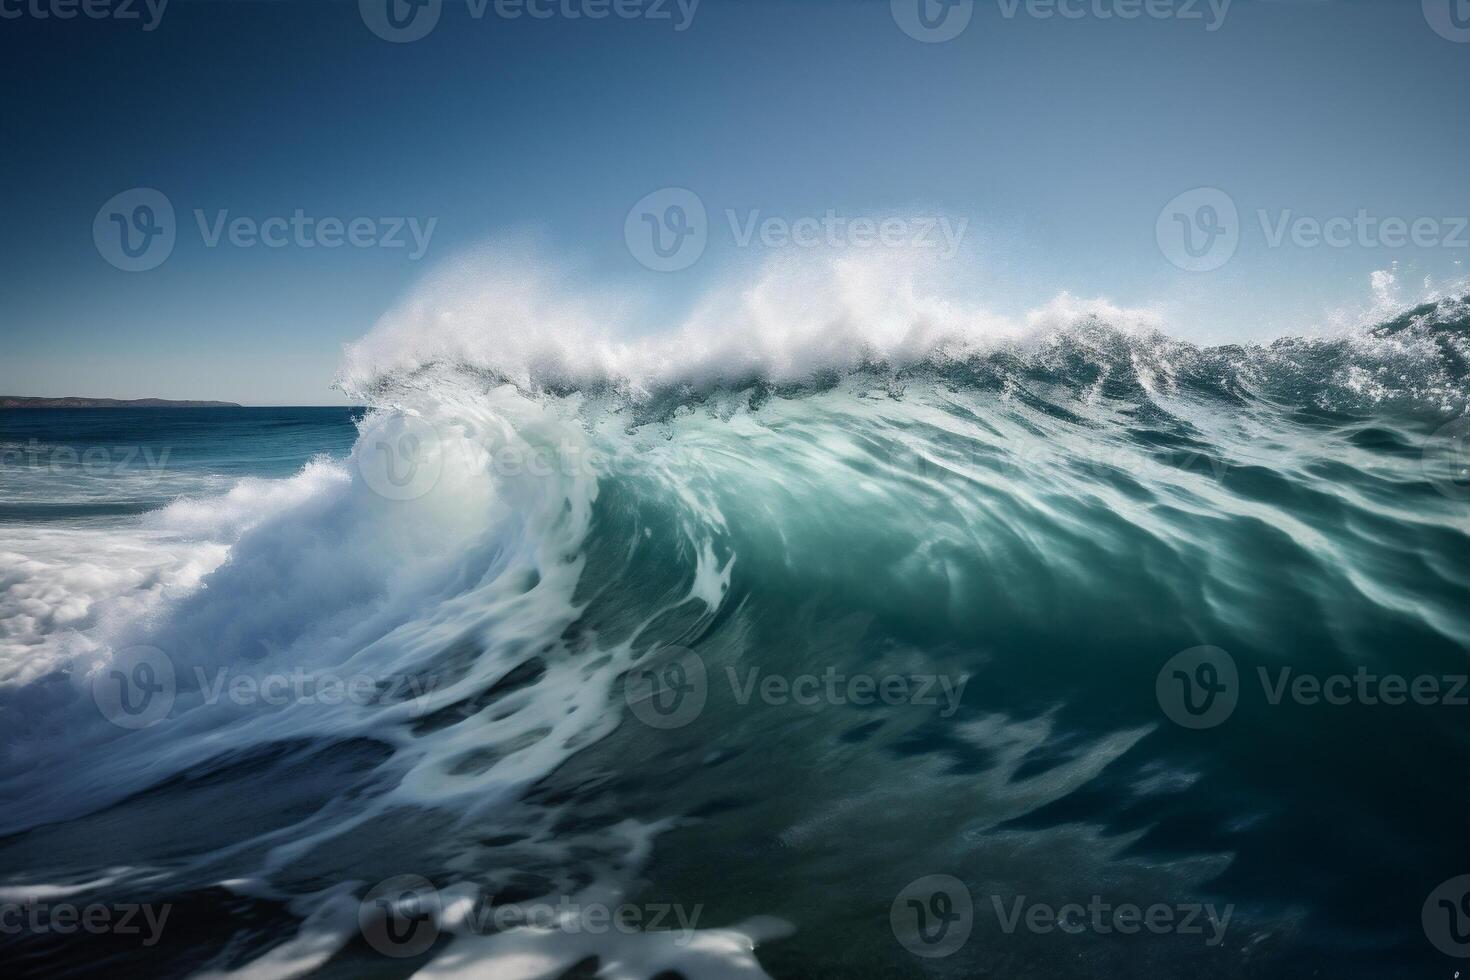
x=843, y=471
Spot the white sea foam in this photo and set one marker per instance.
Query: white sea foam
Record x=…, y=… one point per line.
x=526, y=320
x=70, y=591
x=323, y=574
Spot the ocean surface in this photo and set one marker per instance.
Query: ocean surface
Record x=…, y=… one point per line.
x=1066, y=655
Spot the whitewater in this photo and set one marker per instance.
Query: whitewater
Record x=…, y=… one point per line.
x=405, y=727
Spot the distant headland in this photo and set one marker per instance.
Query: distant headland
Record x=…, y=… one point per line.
x=21, y=401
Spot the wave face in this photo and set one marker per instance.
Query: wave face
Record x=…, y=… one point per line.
x=544, y=539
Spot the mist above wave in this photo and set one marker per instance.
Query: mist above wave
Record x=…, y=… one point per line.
x=527, y=322
x=509, y=316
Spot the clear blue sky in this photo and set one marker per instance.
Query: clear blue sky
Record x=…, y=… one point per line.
x=1059, y=140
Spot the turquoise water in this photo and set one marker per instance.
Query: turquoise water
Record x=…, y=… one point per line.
x=866, y=674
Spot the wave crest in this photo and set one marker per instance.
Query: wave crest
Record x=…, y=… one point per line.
x=801, y=324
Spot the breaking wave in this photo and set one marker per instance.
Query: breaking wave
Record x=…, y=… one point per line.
x=833, y=467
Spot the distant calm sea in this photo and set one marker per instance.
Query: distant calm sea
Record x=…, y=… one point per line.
x=61, y=464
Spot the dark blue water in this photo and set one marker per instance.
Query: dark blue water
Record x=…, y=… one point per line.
x=62, y=464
